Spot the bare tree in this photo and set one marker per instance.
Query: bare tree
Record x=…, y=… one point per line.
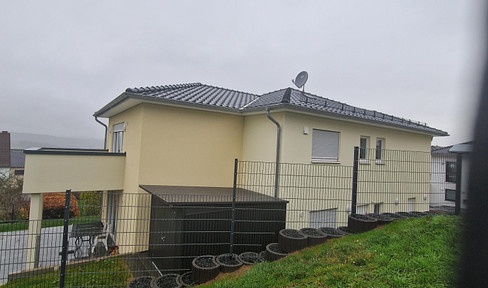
x=11, y=199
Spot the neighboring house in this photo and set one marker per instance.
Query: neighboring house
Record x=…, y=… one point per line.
x=189, y=135
x=443, y=180
x=11, y=160
x=464, y=151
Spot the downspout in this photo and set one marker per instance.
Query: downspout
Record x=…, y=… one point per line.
x=277, y=150
x=106, y=128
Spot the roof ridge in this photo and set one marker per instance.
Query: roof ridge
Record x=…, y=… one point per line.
x=162, y=87
x=213, y=86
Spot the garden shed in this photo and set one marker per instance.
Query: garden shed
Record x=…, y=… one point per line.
x=193, y=221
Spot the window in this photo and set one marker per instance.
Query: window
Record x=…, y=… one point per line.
x=450, y=195
x=377, y=208
x=118, y=137
x=323, y=218
x=362, y=209
x=18, y=172
x=325, y=146
x=451, y=171
x=363, y=147
x=411, y=205
x=380, y=146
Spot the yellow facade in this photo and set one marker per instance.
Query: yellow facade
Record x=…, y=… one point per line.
x=178, y=146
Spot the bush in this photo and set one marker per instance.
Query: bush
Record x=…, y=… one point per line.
x=90, y=203
x=53, y=206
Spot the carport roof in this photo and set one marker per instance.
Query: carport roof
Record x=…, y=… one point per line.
x=196, y=195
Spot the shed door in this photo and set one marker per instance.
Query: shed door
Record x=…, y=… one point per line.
x=323, y=218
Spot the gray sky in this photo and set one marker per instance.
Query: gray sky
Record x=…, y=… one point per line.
x=60, y=61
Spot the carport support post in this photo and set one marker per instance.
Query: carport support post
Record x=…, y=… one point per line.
x=34, y=232
x=234, y=188
x=64, y=252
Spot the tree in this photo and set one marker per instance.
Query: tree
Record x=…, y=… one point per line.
x=11, y=199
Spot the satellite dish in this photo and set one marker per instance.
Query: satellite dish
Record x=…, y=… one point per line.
x=301, y=79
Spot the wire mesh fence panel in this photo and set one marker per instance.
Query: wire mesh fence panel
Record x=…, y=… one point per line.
x=115, y=237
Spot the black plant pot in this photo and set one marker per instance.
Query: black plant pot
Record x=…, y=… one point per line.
x=228, y=262
x=250, y=258
x=166, y=281
x=359, y=223
x=204, y=268
x=382, y=219
x=263, y=256
x=273, y=252
x=393, y=216
x=291, y=240
x=406, y=215
x=418, y=214
x=185, y=279
x=332, y=232
x=141, y=282
x=314, y=236
x=346, y=230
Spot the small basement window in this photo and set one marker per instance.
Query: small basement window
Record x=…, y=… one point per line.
x=450, y=195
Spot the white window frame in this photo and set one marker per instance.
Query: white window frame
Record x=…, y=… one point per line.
x=118, y=137
x=325, y=146
x=329, y=215
x=363, y=151
x=380, y=149
x=362, y=209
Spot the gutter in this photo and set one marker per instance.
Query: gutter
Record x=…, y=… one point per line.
x=278, y=133
x=106, y=128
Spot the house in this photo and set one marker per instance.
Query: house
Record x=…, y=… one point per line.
x=444, y=167
x=11, y=160
x=443, y=178
x=189, y=135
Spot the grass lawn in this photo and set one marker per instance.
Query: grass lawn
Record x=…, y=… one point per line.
x=109, y=272
x=24, y=224
x=408, y=253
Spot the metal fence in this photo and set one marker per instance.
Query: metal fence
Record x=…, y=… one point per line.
x=113, y=237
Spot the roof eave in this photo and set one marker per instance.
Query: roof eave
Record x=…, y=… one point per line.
x=105, y=111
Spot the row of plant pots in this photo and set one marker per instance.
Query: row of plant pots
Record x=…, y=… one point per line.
x=204, y=268
x=291, y=240
x=164, y=281
x=358, y=223
x=207, y=267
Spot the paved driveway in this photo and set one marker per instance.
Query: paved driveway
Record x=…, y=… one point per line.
x=13, y=250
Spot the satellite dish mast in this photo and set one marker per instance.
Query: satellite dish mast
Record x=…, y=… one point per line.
x=300, y=80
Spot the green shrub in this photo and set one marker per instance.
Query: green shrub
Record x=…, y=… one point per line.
x=90, y=203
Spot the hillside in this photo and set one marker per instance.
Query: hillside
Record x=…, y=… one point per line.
x=28, y=140
x=408, y=253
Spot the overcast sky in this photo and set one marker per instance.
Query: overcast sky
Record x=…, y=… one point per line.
x=60, y=61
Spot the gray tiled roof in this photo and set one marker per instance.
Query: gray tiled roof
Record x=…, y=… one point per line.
x=197, y=93
x=211, y=97
x=439, y=150
x=298, y=99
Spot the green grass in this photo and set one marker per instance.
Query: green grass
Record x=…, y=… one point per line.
x=407, y=253
x=109, y=272
x=24, y=224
